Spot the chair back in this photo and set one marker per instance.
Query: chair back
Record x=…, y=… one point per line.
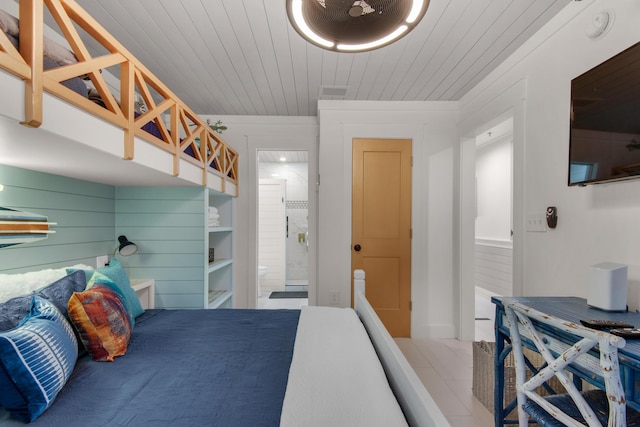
x=594, y=353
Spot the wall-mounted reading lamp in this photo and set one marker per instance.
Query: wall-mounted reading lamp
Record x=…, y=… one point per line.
x=125, y=247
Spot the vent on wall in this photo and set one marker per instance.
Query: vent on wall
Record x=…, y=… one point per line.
x=333, y=92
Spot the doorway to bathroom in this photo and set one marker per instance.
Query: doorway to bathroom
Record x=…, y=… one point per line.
x=493, y=223
x=283, y=229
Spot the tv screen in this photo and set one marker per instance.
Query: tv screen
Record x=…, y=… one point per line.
x=605, y=121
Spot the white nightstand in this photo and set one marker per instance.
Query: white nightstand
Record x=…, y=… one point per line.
x=146, y=291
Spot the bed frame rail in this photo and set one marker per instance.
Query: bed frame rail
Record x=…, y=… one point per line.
x=180, y=128
x=419, y=407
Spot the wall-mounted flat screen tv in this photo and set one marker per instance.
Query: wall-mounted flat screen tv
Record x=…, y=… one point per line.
x=605, y=121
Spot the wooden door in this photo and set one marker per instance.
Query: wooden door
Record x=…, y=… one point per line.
x=381, y=227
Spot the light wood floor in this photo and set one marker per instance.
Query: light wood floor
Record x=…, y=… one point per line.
x=445, y=367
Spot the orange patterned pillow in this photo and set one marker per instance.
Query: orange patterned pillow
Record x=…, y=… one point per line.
x=99, y=316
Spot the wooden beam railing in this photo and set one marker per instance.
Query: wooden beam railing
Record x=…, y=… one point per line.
x=178, y=130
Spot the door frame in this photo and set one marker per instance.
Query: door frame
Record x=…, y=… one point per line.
x=511, y=103
x=279, y=144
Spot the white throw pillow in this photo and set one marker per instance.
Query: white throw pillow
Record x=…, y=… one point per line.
x=15, y=285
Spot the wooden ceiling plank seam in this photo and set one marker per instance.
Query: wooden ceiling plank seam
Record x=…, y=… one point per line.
x=177, y=47
x=491, y=43
x=314, y=77
x=209, y=92
x=356, y=73
x=148, y=52
x=279, y=26
x=509, y=45
x=385, y=75
x=413, y=73
x=199, y=62
x=256, y=64
x=465, y=86
x=490, y=20
x=111, y=22
x=206, y=24
x=266, y=46
x=391, y=84
x=473, y=19
x=236, y=20
x=279, y=36
x=300, y=73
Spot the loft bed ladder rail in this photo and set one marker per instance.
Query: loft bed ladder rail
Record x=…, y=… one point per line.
x=27, y=64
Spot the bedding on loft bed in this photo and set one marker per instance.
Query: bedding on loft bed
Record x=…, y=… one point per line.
x=166, y=114
x=240, y=367
x=78, y=85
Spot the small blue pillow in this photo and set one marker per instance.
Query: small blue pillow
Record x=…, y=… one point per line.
x=115, y=272
x=59, y=292
x=36, y=360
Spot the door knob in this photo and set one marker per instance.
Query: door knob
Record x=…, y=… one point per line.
x=357, y=248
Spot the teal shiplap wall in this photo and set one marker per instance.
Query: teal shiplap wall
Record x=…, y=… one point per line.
x=167, y=224
x=84, y=212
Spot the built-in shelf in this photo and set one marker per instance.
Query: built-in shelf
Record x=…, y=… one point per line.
x=219, y=273
x=218, y=264
x=218, y=297
x=145, y=291
x=219, y=229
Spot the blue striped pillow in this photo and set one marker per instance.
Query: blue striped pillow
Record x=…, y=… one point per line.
x=36, y=360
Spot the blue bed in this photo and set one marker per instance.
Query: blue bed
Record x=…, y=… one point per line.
x=313, y=367
x=185, y=367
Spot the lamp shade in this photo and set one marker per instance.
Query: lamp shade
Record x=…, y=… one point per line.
x=126, y=247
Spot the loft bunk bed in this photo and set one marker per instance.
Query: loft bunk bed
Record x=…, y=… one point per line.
x=157, y=130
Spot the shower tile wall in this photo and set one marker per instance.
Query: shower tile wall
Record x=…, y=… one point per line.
x=297, y=249
x=298, y=213
x=297, y=209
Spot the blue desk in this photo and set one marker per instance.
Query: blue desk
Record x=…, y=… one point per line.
x=573, y=310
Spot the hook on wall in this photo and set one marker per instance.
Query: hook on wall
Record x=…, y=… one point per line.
x=552, y=217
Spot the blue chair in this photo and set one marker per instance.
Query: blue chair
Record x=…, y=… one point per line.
x=594, y=353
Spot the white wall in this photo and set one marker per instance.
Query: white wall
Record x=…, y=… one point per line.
x=597, y=223
x=493, y=183
x=247, y=135
x=432, y=128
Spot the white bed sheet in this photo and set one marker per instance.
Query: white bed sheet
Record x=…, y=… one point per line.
x=335, y=378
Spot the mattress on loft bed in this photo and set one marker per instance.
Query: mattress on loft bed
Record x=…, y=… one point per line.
x=151, y=128
x=314, y=367
x=76, y=84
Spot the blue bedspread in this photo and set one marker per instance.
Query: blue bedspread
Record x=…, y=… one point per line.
x=185, y=368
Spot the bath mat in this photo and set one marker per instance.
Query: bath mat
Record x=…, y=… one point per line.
x=290, y=294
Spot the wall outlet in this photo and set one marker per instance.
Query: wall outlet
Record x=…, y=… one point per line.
x=334, y=298
x=536, y=222
x=102, y=260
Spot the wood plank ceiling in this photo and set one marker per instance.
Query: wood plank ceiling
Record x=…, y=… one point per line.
x=242, y=57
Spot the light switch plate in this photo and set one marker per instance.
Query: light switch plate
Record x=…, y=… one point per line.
x=102, y=260
x=536, y=222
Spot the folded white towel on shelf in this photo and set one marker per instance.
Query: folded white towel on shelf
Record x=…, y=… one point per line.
x=214, y=223
x=213, y=215
x=213, y=209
